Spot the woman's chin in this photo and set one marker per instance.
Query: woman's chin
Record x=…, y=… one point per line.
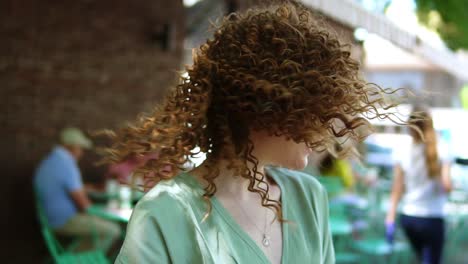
x=301, y=167
x=297, y=165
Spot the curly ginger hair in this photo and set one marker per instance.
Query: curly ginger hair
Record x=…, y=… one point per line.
x=273, y=69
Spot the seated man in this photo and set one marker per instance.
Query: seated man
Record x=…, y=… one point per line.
x=60, y=189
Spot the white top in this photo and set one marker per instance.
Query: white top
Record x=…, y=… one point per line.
x=423, y=196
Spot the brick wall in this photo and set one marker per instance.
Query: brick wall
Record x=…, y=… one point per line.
x=90, y=64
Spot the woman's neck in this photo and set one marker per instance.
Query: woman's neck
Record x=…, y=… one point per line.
x=228, y=184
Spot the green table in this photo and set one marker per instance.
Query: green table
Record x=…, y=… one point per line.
x=113, y=214
x=103, y=196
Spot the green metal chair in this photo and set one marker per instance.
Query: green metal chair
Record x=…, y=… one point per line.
x=342, y=230
x=63, y=255
x=456, y=237
x=371, y=243
x=342, y=236
x=379, y=251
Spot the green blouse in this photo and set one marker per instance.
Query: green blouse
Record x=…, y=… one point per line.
x=166, y=225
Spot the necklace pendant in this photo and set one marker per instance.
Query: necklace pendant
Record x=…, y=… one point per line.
x=266, y=241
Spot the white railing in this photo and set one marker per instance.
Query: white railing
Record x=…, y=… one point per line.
x=354, y=15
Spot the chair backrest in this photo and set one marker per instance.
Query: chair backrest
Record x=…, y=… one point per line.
x=51, y=242
x=59, y=254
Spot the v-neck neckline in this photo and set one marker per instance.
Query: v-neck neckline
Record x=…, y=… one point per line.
x=232, y=223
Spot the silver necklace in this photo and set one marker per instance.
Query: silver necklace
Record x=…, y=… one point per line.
x=266, y=239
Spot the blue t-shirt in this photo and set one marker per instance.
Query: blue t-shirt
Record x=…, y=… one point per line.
x=58, y=175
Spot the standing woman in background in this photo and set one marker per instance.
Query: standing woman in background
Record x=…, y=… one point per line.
x=424, y=182
x=269, y=87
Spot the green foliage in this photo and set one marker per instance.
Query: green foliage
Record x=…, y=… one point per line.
x=449, y=18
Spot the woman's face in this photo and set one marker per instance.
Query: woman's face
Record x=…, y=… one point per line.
x=279, y=151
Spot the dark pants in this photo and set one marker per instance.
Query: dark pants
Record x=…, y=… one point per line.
x=426, y=235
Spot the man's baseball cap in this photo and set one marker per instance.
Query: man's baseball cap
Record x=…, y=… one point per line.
x=74, y=137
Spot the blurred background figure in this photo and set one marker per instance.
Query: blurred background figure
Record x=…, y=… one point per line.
x=422, y=180
x=122, y=176
x=341, y=168
x=62, y=197
x=124, y=170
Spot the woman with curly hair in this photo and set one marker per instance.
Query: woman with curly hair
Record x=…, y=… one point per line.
x=268, y=88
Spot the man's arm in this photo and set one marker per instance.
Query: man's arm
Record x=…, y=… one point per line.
x=81, y=199
x=74, y=186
